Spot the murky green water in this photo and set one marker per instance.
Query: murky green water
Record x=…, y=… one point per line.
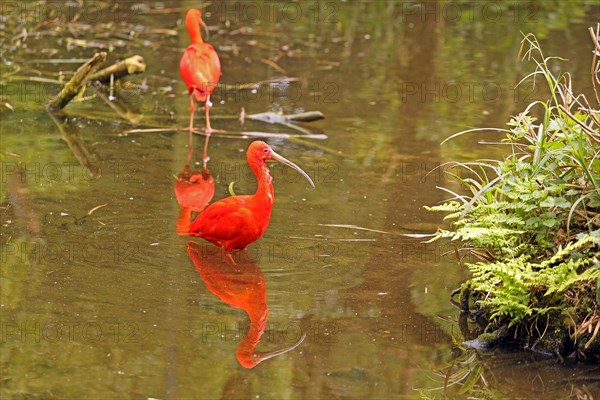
x=107, y=302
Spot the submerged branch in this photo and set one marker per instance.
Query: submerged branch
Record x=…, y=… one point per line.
x=269, y=117
x=231, y=134
x=274, y=118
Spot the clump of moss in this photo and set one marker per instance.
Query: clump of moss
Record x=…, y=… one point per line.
x=533, y=222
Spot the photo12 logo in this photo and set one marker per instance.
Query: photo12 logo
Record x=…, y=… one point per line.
x=265, y=250
x=292, y=91
x=276, y=11
x=28, y=91
x=319, y=172
x=315, y=331
x=43, y=92
x=77, y=331
x=67, y=172
x=93, y=253
x=469, y=11
x=454, y=92
x=48, y=12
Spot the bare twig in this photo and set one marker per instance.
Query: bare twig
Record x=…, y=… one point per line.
x=595, y=53
x=586, y=128
x=273, y=65
x=255, y=85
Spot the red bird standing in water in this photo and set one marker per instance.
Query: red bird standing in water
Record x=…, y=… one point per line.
x=200, y=68
x=235, y=222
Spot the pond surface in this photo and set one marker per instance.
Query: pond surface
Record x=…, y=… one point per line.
x=102, y=298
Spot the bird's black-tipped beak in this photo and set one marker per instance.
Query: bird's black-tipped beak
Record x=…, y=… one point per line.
x=290, y=164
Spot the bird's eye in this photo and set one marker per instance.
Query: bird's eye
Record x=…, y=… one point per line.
x=266, y=150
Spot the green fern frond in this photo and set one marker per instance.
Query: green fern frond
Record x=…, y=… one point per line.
x=452, y=206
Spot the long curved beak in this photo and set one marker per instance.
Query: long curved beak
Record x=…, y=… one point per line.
x=287, y=162
x=205, y=28
x=260, y=357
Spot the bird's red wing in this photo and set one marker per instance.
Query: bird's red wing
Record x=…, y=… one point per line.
x=222, y=221
x=200, y=68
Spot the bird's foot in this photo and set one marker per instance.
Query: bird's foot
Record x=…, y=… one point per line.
x=208, y=130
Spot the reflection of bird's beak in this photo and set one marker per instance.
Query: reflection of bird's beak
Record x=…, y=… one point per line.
x=205, y=28
x=260, y=357
x=287, y=162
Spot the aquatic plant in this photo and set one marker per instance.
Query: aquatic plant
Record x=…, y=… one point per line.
x=532, y=219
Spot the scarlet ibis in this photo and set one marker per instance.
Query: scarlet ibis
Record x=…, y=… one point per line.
x=244, y=288
x=200, y=68
x=235, y=222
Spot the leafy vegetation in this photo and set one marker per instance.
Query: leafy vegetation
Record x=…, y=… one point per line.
x=532, y=219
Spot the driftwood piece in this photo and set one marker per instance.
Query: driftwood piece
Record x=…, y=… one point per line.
x=77, y=82
x=274, y=118
x=129, y=66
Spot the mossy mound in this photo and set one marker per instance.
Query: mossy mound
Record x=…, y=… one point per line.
x=531, y=223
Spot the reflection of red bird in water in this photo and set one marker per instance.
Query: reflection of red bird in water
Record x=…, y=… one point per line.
x=235, y=222
x=242, y=287
x=194, y=190
x=200, y=67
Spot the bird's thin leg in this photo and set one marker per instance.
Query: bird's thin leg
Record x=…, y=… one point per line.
x=207, y=107
x=205, y=154
x=191, y=128
x=208, y=130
